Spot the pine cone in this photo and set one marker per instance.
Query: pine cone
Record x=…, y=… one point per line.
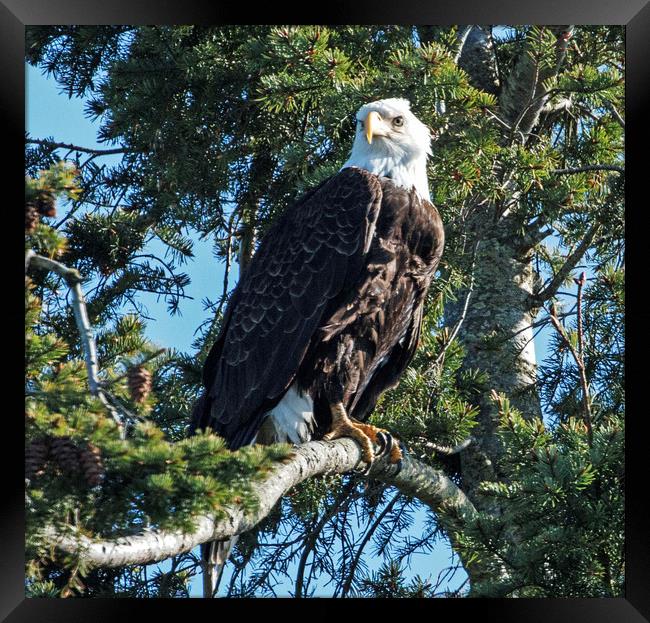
x=139, y=379
x=66, y=454
x=45, y=204
x=92, y=466
x=36, y=455
x=31, y=217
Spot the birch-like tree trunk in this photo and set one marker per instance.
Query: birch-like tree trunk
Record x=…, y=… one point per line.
x=497, y=335
x=496, y=329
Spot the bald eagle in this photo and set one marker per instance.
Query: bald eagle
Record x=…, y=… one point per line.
x=327, y=315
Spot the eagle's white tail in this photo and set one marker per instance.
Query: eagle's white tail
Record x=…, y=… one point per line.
x=291, y=420
x=215, y=556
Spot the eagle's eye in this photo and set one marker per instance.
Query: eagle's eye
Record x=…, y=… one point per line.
x=398, y=122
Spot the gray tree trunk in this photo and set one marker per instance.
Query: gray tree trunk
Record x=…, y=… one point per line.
x=497, y=335
x=496, y=329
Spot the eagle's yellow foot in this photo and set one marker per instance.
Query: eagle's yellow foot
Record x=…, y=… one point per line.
x=366, y=434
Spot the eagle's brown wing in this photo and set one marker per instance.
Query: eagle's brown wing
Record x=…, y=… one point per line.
x=418, y=236
x=364, y=346
x=308, y=257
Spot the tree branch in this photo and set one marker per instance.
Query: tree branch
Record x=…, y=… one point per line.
x=571, y=262
x=371, y=530
x=523, y=97
x=617, y=115
x=462, y=39
x=452, y=336
x=475, y=55
x=416, y=479
x=578, y=358
x=74, y=279
x=314, y=533
x=590, y=167
x=85, y=150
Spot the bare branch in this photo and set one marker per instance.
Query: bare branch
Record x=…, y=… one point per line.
x=85, y=150
x=571, y=262
x=440, y=358
x=577, y=357
x=314, y=533
x=415, y=479
x=74, y=279
x=371, y=530
x=590, y=167
x=617, y=115
x=497, y=119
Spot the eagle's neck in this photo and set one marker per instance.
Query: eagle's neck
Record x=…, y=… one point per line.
x=408, y=173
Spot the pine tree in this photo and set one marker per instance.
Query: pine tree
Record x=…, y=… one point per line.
x=219, y=129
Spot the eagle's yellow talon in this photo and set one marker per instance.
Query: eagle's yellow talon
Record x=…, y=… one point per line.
x=366, y=434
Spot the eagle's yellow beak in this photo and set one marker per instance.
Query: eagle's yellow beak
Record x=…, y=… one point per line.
x=372, y=121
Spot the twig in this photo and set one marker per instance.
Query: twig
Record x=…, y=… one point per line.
x=497, y=118
x=226, y=273
x=539, y=323
x=74, y=279
x=371, y=530
x=463, y=314
x=314, y=533
x=86, y=150
x=441, y=107
x=577, y=358
x=610, y=106
x=580, y=283
x=449, y=450
x=570, y=263
x=589, y=167
x=216, y=318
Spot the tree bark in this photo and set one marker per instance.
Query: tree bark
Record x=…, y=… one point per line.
x=416, y=479
x=478, y=60
x=498, y=338
x=496, y=330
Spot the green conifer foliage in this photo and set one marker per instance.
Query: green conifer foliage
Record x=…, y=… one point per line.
x=82, y=475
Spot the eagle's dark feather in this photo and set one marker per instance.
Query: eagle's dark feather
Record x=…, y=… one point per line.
x=332, y=300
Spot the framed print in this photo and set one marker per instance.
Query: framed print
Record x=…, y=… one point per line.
x=328, y=303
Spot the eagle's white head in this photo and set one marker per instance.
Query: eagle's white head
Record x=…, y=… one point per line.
x=391, y=141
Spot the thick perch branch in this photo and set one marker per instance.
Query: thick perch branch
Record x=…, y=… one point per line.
x=416, y=479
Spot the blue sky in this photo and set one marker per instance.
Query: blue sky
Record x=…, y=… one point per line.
x=50, y=113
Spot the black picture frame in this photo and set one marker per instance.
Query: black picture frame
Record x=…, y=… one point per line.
x=634, y=14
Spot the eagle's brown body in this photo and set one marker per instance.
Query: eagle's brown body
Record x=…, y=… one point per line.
x=331, y=303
